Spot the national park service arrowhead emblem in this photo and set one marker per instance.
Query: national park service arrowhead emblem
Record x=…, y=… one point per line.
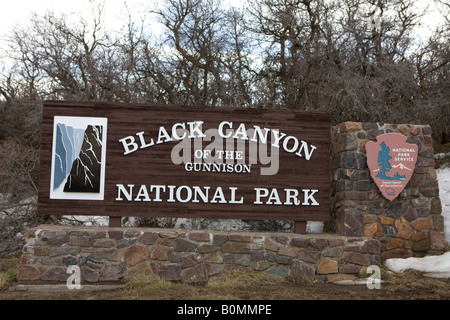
x=391, y=162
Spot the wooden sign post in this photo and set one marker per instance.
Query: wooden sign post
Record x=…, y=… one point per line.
x=117, y=159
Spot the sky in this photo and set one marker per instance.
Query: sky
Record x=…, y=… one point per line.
x=17, y=11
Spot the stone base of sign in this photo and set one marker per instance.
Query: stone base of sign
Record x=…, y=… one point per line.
x=107, y=255
x=410, y=225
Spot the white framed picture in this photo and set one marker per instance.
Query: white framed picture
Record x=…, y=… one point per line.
x=78, y=158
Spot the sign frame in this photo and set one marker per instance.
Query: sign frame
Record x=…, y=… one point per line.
x=301, y=135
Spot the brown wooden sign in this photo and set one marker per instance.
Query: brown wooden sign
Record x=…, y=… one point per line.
x=117, y=159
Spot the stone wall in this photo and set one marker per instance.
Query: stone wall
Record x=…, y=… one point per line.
x=412, y=224
x=192, y=256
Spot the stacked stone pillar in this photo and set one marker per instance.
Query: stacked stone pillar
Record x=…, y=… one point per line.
x=410, y=225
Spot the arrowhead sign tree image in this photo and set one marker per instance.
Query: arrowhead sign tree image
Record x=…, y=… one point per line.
x=391, y=162
x=383, y=160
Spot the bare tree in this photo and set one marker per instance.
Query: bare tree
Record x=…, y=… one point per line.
x=66, y=61
x=432, y=69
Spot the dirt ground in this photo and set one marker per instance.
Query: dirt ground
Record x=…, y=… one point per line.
x=302, y=292
x=410, y=285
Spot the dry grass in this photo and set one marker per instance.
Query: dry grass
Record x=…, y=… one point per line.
x=245, y=286
x=414, y=281
x=263, y=286
x=8, y=272
x=243, y=279
x=154, y=288
x=233, y=286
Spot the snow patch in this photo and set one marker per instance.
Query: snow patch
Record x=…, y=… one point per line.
x=443, y=175
x=426, y=264
x=435, y=266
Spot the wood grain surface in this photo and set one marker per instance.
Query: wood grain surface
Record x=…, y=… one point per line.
x=154, y=166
